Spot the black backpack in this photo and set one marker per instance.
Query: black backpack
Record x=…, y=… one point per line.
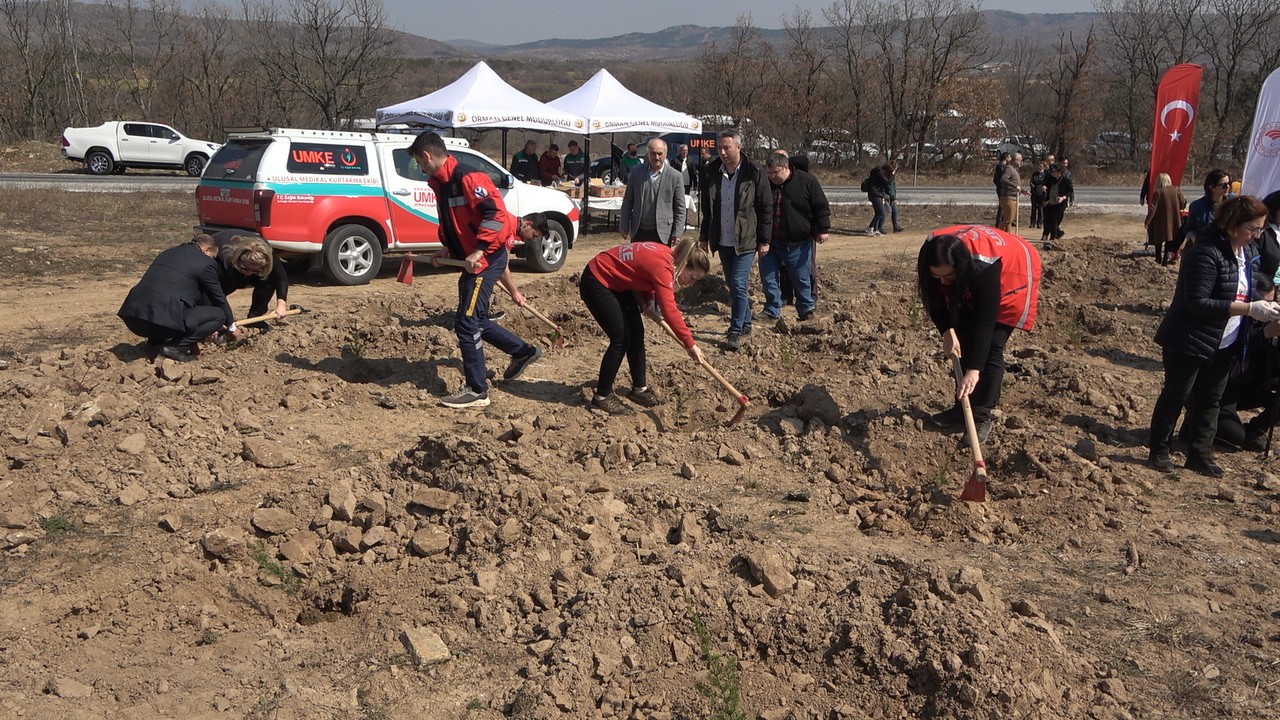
x=866, y=185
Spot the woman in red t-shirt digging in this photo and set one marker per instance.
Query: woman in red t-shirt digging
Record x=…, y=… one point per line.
x=616, y=285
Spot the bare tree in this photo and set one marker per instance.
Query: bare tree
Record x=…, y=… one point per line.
x=732, y=77
x=851, y=62
x=29, y=66
x=337, y=54
x=142, y=42
x=1235, y=35
x=1068, y=75
x=208, y=71
x=800, y=80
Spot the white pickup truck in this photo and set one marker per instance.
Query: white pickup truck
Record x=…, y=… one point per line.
x=113, y=146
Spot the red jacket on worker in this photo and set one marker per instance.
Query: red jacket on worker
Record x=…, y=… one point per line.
x=1019, y=274
x=473, y=215
x=647, y=268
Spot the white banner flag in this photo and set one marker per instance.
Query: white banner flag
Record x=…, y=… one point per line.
x=1262, y=164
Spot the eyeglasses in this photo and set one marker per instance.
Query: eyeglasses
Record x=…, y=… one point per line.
x=1223, y=185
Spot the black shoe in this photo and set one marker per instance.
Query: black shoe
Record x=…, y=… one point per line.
x=733, y=341
x=984, y=430
x=497, y=314
x=611, y=404
x=807, y=315
x=264, y=327
x=1204, y=466
x=770, y=316
x=746, y=331
x=518, y=364
x=1059, y=235
x=644, y=398
x=897, y=229
x=949, y=418
x=176, y=353
x=1160, y=460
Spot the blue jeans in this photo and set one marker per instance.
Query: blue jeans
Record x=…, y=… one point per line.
x=737, y=273
x=893, y=214
x=473, y=326
x=877, y=220
x=797, y=262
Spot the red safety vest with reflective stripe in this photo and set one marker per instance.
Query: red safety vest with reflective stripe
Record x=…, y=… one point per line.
x=1019, y=269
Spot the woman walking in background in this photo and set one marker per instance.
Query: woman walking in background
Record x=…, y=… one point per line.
x=1164, y=214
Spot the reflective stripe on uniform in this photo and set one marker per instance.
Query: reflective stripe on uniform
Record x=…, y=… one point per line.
x=492, y=225
x=475, y=297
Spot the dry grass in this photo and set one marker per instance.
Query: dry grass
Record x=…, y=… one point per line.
x=45, y=232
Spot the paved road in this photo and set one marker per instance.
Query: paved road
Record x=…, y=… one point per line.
x=1088, y=199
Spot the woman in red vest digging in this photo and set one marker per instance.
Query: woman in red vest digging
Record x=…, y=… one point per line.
x=978, y=285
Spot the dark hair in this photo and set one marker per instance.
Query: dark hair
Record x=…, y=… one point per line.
x=1272, y=202
x=1214, y=178
x=1056, y=168
x=573, y=143
x=1237, y=211
x=539, y=223
x=776, y=160
x=429, y=142
x=1006, y=157
x=937, y=251
x=204, y=240
x=555, y=147
x=1262, y=285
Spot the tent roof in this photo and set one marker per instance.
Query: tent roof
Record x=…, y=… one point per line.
x=481, y=99
x=608, y=106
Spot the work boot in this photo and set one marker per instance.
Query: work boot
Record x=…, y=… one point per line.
x=465, y=397
x=733, y=341
x=1205, y=466
x=1159, y=459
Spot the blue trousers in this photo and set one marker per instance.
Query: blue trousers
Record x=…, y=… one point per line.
x=797, y=262
x=737, y=273
x=877, y=220
x=473, y=326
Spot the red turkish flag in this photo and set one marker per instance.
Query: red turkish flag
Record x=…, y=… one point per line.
x=1177, y=105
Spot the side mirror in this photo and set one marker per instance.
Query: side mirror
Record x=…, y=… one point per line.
x=506, y=182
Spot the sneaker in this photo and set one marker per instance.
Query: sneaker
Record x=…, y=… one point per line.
x=948, y=418
x=984, y=431
x=733, y=341
x=465, y=397
x=497, y=314
x=1160, y=460
x=179, y=354
x=644, y=398
x=746, y=331
x=611, y=404
x=519, y=363
x=1204, y=466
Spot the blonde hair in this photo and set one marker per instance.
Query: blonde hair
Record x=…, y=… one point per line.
x=1163, y=180
x=689, y=254
x=251, y=251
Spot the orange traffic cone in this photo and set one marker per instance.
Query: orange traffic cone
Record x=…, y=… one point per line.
x=405, y=275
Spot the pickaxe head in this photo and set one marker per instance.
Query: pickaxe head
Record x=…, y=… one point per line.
x=975, y=490
x=743, y=403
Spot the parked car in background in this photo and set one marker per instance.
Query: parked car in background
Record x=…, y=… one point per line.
x=1113, y=145
x=113, y=146
x=929, y=153
x=1029, y=145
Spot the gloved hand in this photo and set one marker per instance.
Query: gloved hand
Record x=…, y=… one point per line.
x=1264, y=310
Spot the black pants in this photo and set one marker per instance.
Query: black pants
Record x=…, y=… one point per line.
x=201, y=322
x=648, y=235
x=1053, y=219
x=619, y=316
x=986, y=395
x=1199, y=384
x=1037, y=212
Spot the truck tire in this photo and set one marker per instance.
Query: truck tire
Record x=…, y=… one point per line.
x=549, y=253
x=194, y=164
x=99, y=162
x=352, y=255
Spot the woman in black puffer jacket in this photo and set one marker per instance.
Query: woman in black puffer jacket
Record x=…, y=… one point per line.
x=1204, y=331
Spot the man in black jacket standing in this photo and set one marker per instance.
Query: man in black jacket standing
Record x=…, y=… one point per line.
x=179, y=301
x=737, y=221
x=801, y=217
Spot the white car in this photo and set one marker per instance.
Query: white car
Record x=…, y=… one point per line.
x=113, y=146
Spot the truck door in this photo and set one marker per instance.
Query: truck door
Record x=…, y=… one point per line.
x=135, y=142
x=166, y=145
x=415, y=220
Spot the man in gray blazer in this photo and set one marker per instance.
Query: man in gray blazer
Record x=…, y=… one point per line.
x=653, y=208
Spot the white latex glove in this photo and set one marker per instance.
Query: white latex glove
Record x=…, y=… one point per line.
x=1264, y=310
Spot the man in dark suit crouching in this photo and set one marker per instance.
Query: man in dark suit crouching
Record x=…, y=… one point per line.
x=179, y=301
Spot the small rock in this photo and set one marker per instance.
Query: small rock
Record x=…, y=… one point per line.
x=429, y=540
x=769, y=570
x=1211, y=672
x=221, y=703
x=425, y=646
x=16, y=518
x=347, y=539
x=223, y=543
x=687, y=471
x=730, y=456
x=66, y=688
x=171, y=522
x=135, y=444
x=435, y=499
x=376, y=535
x=274, y=521
x=791, y=427
x=301, y=548
x=90, y=632
x=1115, y=688
x=343, y=502
x=265, y=454
x=1087, y=449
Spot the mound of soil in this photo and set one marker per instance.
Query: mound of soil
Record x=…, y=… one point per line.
x=293, y=528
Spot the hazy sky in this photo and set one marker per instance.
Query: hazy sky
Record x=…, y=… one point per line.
x=507, y=22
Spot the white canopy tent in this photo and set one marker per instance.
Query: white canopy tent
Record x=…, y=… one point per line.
x=480, y=99
x=609, y=106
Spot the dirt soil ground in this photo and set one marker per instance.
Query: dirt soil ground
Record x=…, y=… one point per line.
x=293, y=527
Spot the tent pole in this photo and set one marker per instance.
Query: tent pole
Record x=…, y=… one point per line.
x=584, y=225
x=504, y=159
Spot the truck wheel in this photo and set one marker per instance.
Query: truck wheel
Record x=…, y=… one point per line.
x=99, y=162
x=194, y=165
x=352, y=255
x=549, y=253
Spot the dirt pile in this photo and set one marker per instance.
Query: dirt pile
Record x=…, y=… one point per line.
x=290, y=527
